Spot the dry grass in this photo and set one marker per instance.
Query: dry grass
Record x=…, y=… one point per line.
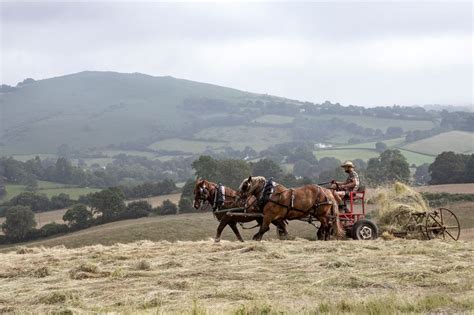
x=270, y=277
x=448, y=188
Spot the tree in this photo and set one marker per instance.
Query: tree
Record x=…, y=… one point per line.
x=36, y=202
x=20, y=221
x=206, y=167
x=448, y=168
x=61, y=201
x=167, y=208
x=380, y=146
x=390, y=166
x=136, y=209
x=393, y=132
x=422, y=174
x=109, y=203
x=3, y=190
x=266, y=168
x=78, y=216
x=185, y=205
x=302, y=168
x=31, y=184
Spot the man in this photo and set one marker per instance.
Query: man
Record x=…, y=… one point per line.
x=351, y=184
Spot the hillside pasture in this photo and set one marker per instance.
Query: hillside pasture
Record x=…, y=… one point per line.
x=380, y=123
x=187, y=146
x=366, y=154
x=271, y=277
x=238, y=137
x=274, y=119
x=49, y=189
x=456, y=141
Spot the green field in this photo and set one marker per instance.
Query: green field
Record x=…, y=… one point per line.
x=371, y=145
x=188, y=146
x=347, y=154
x=274, y=119
x=456, y=141
x=381, y=123
x=365, y=154
x=238, y=137
x=49, y=189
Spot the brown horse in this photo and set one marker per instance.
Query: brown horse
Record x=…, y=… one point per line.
x=205, y=191
x=295, y=203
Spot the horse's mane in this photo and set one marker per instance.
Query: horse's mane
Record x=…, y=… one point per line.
x=255, y=182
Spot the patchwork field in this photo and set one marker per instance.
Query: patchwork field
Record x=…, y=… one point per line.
x=457, y=141
x=49, y=189
x=381, y=123
x=271, y=277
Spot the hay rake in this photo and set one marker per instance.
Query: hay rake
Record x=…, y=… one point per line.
x=440, y=223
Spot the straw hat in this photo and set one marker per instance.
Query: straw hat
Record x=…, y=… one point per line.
x=348, y=164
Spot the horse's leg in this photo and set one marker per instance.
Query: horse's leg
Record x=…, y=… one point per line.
x=281, y=228
x=223, y=223
x=233, y=226
x=321, y=230
x=267, y=219
x=325, y=228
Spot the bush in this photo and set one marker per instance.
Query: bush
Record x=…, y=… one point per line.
x=53, y=228
x=136, y=209
x=167, y=208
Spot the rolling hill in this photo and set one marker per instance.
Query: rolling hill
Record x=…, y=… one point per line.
x=456, y=141
x=90, y=109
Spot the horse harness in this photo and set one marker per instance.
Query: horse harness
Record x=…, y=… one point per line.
x=291, y=207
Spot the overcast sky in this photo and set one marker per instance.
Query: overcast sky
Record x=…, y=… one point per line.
x=363, y=53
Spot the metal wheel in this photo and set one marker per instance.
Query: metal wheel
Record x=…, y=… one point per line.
x=443, y=224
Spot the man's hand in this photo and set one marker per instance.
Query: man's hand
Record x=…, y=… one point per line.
x=333, y=181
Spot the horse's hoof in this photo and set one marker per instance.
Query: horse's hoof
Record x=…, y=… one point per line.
x=217, y=240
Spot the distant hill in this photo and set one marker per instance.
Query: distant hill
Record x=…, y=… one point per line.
x=90, y=109
x=101, y=114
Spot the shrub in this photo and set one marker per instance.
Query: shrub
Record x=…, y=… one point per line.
x=53, y=228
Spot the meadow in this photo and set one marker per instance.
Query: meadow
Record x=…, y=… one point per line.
x=456, y=141
x=271, y=277
x=49, y=189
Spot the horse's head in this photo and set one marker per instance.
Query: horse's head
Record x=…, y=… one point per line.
x=201, y=192
x=251, y=186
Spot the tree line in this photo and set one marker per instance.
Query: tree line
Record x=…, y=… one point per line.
x=124, y=170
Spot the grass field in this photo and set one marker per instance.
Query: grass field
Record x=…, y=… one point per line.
x=49, y=189
x=274, y=119
x=345, y=153
x=371, y=145
x=381, y=123
x=188, y=146
x=457, y=141
x=271, y=277
x=258, y=138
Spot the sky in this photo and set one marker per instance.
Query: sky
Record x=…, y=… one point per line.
x=370, y=53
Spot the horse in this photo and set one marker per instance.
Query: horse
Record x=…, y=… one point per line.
x=295, y=203
x=205, y=191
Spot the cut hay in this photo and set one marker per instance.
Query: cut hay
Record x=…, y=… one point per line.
x=395, y=206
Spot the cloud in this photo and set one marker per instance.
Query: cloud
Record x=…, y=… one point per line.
x=368, y=53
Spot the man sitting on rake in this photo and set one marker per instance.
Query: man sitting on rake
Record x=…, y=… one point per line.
x=343, y=189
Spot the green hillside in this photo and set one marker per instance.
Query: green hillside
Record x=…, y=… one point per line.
x=90, y=109
x=456, y=141
x=49, y=189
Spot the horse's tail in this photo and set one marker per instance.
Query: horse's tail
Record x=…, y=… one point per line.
x=339, y=231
